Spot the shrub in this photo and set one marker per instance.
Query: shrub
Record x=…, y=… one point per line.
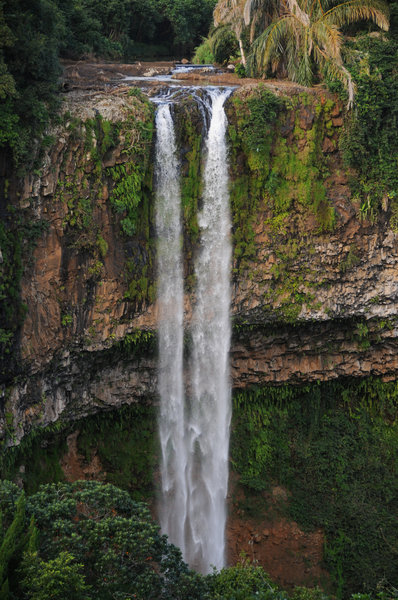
x=203, y=53
x=223, y=44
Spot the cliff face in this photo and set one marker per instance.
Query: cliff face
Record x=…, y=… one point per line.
x=314, y=276
x=83, y=276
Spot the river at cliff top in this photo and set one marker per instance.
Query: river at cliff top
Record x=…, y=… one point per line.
x=152, y=74
x=86, y=75
x=181, y=75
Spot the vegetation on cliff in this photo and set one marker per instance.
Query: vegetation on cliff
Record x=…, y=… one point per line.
x=315, y=42
x=334, y=447
x=282, y=151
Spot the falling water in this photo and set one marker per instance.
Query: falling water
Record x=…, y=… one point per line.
x=170, y=327
x=194, y=435
x=209, y=415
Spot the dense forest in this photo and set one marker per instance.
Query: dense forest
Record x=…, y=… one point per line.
x=36, y=34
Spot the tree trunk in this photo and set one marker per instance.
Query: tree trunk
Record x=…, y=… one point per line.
x=242, y=53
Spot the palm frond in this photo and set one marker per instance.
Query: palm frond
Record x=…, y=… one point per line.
x=253, y=27
x=316, y=10
x=297, y=11
x=329, y=38
x=247, y=11
x=228, y=12
x=266, y=45
x=302, y=72
x=336, y=70
x=359, y=10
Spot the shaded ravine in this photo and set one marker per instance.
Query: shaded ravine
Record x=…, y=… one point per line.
x=194, y=432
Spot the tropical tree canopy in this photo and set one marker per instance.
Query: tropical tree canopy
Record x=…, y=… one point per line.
x=305, y=36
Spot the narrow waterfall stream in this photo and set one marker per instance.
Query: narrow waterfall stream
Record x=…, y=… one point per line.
x=210, y=411
x=170, y=330
x=194, y=431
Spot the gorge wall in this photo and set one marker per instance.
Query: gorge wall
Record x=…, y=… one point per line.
x=314, y=286
x=314, y=297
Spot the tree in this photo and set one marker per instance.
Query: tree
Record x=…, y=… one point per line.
x=308, y=34
x=31, y=58
x=7, y=83
x=11, y=544
x=244, y=581
x=223, y=44
x=233, y=13
x=242, y=14
x=117, y=547
x=57, y=579
x=304, y=36
x=187, y=19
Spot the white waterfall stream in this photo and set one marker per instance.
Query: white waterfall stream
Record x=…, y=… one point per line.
x=194, y=432
x=170, y=330
x=209, y=415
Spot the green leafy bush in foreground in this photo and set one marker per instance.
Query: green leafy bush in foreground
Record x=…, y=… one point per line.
x=90, y=541
x=93, y=541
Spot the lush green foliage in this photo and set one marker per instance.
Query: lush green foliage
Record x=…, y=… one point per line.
x=223, y=44
x=123, y=440
x=203, y=53
x=58, y=579
x=94, y=540
x=335, y=448
x=35, y=33
x=370, y=141
x=274, y=174
x=89, y=540
x=11, y=541
x=129, y=178
x=125, y=443
x=244, y=581
x=31, y=58
x=255, y=118
x=124, y=28
x=129, y=184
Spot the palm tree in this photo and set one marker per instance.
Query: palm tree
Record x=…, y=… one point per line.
x=308, y=33
x=305, y=34
x=234, y=14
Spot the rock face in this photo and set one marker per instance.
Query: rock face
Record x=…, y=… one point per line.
x=294, y=557
x=315, y=287
x=314, y=297
x=76, y=280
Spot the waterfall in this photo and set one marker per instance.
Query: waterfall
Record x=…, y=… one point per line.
x=209, y=415
x=194, y=433
x=172, y=508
